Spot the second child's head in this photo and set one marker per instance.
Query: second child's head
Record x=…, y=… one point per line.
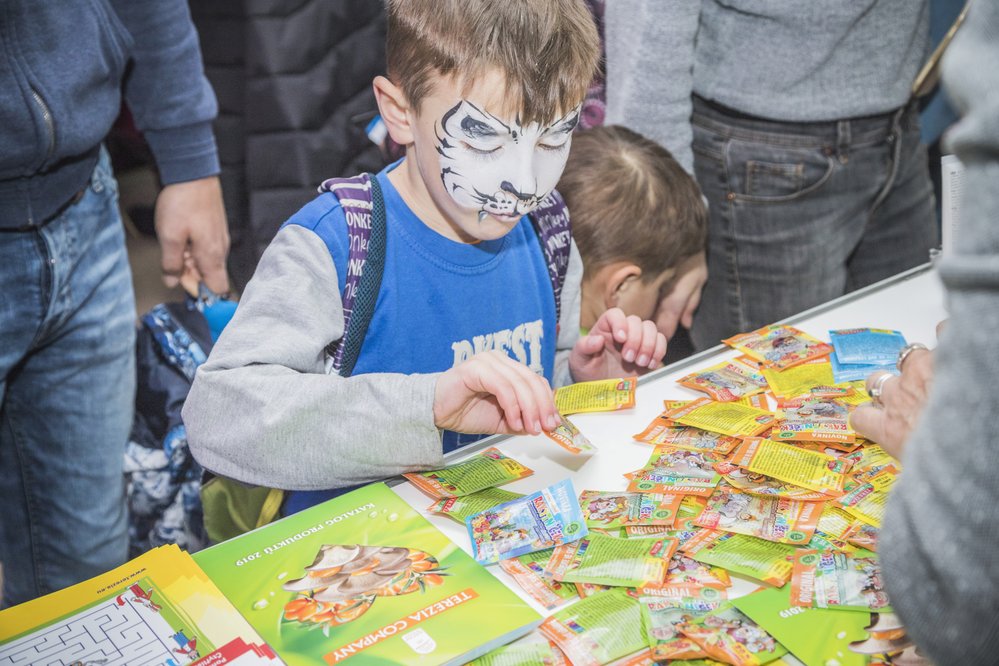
x=484, y=94
x=637, y=217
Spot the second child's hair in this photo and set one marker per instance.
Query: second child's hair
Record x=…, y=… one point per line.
x=630, y=200
x=546, y=49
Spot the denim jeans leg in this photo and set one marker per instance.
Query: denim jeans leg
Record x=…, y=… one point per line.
x=791, y=209
x=68, y=403
x=903, y=227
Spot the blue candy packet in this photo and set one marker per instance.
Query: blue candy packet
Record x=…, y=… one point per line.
x=550, y=517
x=848, y=372
x=877, y=346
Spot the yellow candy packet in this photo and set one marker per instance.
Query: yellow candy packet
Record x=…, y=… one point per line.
x=812, y=418
x=870, y=456
x=867, y=501
x=757, y=401
x=662, y=431
x=800, y=378
x=801, y=467
x=567, y=435
x=779, y=346
x=486, y=469
x=726, y=381
x=859, y=395
x=670, y=405
x=605, y=395
x=863, y=535
x=765, y=486
x=727, y=418
x=835, y=522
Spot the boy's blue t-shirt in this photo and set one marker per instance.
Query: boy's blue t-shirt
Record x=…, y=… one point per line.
x=441, y=301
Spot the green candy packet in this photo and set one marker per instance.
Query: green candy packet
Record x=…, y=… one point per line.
x=598, y=629
x=728, y=635
x=521, y=654
x=484, y=470
x=836, y=581
x=609, y=561
x=459, y=508
x=529, y=572
x=661, y=615
x=767, y=561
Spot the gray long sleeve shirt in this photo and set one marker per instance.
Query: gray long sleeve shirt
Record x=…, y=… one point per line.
x=780, y=59
x=265, y=409
x=941, y=532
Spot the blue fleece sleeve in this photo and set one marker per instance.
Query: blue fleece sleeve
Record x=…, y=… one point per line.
x=170, y=98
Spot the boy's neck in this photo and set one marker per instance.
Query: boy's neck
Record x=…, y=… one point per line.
x=409, y=183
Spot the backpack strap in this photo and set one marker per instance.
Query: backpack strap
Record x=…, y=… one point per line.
x=364, y=209
x=551, y=224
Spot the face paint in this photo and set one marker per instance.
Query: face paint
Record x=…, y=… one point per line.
x=498, y=168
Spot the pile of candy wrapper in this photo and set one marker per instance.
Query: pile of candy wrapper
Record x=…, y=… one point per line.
x=762, y=479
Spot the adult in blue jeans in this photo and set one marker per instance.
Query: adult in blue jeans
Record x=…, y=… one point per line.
x=67, y=309
x=796, y=120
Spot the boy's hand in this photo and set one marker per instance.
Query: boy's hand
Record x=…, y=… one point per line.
x=618, y=345
x=491, y=393
x=191, y=222
x=678, y=306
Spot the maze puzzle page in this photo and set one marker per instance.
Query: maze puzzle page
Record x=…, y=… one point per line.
x=108, y=634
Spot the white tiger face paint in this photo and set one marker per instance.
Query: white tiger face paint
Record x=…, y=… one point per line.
x=499, y=168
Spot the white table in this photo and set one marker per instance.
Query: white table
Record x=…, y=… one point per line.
x=912, y=302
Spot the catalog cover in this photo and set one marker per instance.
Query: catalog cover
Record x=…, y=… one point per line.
x=160, y=609
x=364, y=579
x=821, y=637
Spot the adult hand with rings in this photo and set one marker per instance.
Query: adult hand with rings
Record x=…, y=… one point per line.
x=896, y=402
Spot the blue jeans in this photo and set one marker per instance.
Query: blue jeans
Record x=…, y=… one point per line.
x=801, y=213
x=67, y=383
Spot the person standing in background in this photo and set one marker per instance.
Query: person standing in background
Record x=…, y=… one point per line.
x=67, y=313
x=797, y=122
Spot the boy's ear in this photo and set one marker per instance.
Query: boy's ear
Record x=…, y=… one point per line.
x=394, y=109
x=621, y=276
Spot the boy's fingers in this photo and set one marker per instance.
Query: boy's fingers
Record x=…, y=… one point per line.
x=488, y=379
x=647, y=349
x=633, y=339
x=521, y=382
x=616, y=323
x=661, y=346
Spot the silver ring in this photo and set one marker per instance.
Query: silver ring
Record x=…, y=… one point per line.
x=878, y=388
x=906, y=350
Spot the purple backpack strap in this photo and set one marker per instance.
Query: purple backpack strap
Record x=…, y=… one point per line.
x=355, y=199
x=551, y=223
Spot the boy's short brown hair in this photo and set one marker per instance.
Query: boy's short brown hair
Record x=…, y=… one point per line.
x=547, y=49
x=630, y=200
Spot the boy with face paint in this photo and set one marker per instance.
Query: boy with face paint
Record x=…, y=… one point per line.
x=641, y=225
x=463, y=340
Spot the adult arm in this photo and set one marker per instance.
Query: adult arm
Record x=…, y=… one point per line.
x=940, y=533
x=650, y=62
x=174, y=106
